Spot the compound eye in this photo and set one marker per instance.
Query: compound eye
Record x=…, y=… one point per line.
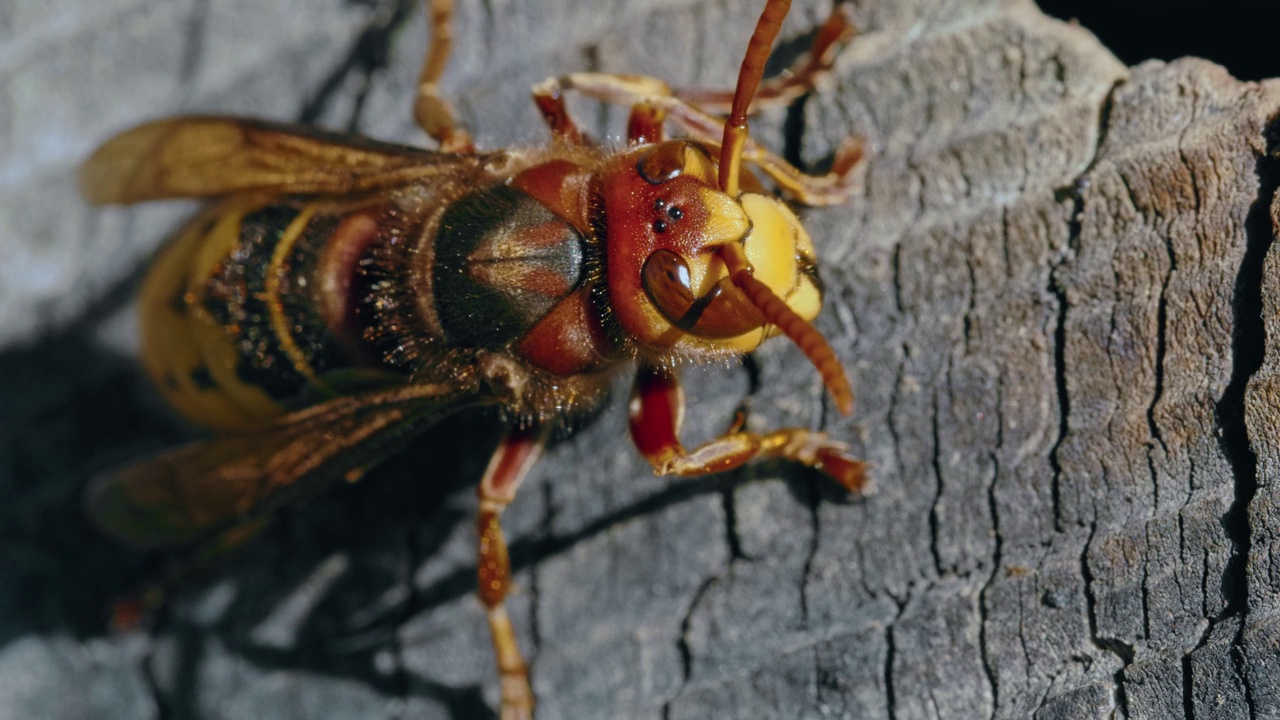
x=666, y=281
x=722, y=312
x=669, y=160
x=662, y=163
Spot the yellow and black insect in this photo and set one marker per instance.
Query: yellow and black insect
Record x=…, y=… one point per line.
x=340, y=295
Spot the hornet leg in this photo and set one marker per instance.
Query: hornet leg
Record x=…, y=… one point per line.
x=507, y=469
x=657, y=408
x=431, y=111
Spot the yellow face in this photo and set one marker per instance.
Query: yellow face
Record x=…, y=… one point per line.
x=781, y=255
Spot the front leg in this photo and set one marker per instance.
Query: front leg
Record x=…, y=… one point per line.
x=548, y=95
x=657, y=410
x=657, y=100
x=654, y=102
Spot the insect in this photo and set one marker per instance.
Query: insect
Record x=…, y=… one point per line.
x=339, y=296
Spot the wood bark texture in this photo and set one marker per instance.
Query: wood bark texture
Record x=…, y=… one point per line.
x=1054, y=297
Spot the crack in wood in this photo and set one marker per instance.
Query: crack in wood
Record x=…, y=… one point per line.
x=1060, y=377
x=936, y=465
x=889, y=656
x=1114, y=646
x=1246, y=359
x=996, y=559
x=1055, y=672
x=682, y=642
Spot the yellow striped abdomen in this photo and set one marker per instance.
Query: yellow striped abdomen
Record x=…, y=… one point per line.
x=231, y=333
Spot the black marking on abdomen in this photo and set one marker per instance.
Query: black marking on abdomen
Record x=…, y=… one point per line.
x=237, y=297
x=201, y=378
x=299, y=296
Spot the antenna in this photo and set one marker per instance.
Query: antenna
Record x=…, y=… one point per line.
x=735, y=127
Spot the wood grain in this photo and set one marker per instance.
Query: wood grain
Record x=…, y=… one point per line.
x=1053, y=297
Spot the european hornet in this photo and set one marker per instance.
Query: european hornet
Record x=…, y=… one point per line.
x=342, y=295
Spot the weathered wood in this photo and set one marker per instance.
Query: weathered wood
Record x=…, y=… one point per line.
x=1052, y=295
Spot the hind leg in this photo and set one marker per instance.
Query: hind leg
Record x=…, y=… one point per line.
x=511, y=462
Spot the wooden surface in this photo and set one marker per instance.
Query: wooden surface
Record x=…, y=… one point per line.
x=1052, y=296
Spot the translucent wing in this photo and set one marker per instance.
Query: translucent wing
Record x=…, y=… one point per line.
x=211, y=156
x=184, y=494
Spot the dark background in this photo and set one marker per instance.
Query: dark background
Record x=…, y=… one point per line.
x=1241, y=35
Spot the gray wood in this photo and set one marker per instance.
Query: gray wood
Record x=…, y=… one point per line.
x=1053, y=297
